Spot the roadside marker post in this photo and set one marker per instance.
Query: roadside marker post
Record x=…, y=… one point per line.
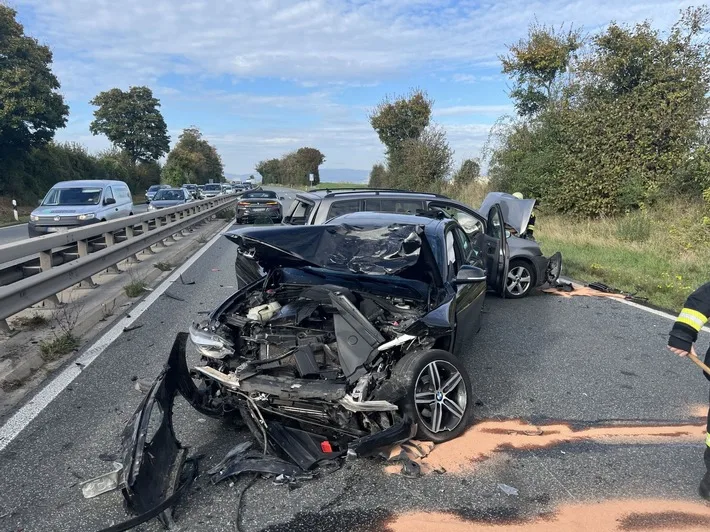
x=14, y=210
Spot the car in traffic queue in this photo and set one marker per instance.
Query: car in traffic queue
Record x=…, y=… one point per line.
x=192, y=188
x=170, y=197
x=71, y=204
x=152, y=190
x=259, y=206
x=210, y=190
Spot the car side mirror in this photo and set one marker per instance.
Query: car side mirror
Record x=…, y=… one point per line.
x=109, y=201
x=470, y=274
x=281, y=198
x=39, y=202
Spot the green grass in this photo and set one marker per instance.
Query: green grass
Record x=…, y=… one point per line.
x=662, y=256
x=134, y=288
x=58, y=346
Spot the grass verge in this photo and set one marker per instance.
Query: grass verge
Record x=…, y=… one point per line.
x=662, y=255
x=58, y=346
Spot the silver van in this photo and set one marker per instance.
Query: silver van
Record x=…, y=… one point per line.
x=71, y=204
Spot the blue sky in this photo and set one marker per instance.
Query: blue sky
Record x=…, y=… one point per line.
x=264, y=77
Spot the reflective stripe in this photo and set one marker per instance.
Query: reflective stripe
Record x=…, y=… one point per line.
x=707, y=439
x=702, y=317
x=692, y=319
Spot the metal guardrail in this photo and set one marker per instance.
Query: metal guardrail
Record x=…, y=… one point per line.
x=140, y=231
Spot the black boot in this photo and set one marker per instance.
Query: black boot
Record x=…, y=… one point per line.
x=704, y=488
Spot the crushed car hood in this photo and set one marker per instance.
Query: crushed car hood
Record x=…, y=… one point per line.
x=364, y=249
x=516, y=212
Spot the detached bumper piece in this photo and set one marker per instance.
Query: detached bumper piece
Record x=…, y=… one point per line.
x=155, y=469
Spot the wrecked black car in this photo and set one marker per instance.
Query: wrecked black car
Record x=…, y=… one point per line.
x=346, y=345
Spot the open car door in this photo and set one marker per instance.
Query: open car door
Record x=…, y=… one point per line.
x=496, y=250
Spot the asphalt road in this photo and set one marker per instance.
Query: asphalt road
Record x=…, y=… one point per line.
x=582, y=363
x=17, y=232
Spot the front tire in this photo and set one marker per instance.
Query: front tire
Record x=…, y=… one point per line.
x=520, y=281
x=438, y=394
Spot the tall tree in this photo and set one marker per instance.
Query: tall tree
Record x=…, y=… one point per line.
x=192, y=160
x=30, y=108
x=378, y=176
x=469, y=172
x=426, y=161
x=270, y=171
x=132, y=121
x=401, y=119
x=536, y=64
x=310, y=159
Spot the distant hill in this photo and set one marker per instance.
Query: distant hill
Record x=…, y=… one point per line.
x=330, y=175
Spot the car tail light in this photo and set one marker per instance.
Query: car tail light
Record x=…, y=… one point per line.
x=272, y=202
x=243, y=203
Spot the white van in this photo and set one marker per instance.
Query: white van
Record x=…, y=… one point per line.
x=70, y=204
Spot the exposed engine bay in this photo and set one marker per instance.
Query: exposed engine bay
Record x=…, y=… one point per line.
x=318, y=354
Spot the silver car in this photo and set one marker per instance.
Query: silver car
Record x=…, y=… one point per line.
x=169, y=197
x=71, y=204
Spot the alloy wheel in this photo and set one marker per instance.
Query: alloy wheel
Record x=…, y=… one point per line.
x=519, y=280
x=440, y=396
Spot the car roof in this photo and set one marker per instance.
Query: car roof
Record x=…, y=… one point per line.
x=315, y=195
x=382, y=218
x=87, y=183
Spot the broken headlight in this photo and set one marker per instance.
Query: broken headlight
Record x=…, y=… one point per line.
x=208, y=344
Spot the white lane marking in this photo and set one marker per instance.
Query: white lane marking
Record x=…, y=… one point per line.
x=671, y=317
x=44, y=397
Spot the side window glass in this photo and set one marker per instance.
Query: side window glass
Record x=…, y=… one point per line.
x=401, y=206
x=469, y=254
x=339, y=208
x=451, y=262
x=299, y=213
x=108, y=193
x=373, y=205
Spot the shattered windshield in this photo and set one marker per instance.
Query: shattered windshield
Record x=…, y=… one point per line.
x=371, y=249
x=374, y=250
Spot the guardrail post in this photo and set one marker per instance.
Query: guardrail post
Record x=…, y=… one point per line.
x=158, y=224
x=45, y=264
x=5, y=328
x=110, y=240
x=130, y=233
x=145, y=227
x=82, y=247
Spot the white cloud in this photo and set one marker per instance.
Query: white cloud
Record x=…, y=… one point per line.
x=308, y=40
x=322, y=50
x=456, y=110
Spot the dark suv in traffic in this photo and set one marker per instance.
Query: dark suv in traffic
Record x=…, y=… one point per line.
x=527, y=268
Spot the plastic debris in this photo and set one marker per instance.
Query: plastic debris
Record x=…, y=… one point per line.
x=508, y=490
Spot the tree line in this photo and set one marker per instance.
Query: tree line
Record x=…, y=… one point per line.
x=605, y=124
x=32, y=109
x=292, y=169
x=610, y=123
